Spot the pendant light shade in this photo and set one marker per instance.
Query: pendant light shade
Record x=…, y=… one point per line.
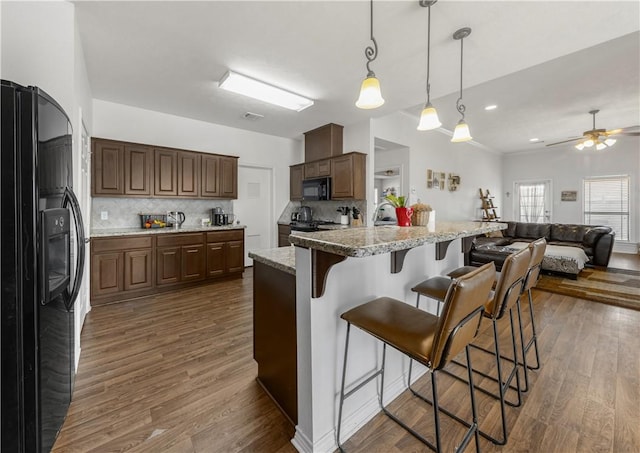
x=429, y=117
x=461, y=132
x=370, y=94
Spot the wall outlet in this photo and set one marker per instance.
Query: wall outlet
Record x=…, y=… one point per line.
x=104, y=215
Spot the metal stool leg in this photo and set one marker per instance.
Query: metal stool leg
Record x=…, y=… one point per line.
x=344, y=373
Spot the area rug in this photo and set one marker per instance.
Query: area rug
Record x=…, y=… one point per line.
x=619, y=287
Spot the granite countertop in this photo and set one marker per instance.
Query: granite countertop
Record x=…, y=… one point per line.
x=281, y=258
x=367, y=241
x=138, y=231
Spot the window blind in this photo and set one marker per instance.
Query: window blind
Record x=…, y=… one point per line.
x=606, y=202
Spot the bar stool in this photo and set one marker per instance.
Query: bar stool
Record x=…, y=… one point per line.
x=502, y=299
x=537, y=248
x=430, y=340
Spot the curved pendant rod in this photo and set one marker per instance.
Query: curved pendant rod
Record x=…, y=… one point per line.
x=371, y=52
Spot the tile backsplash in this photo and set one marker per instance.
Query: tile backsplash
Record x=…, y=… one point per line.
x=323, y=210
x=123, y=212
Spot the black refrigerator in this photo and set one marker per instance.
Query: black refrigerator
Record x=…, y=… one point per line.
x=41, y=266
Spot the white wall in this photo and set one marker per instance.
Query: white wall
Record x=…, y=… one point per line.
x=566, y=167
x=122, y=122
x=433, y=150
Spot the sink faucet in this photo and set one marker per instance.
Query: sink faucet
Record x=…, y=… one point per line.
x=376, y=211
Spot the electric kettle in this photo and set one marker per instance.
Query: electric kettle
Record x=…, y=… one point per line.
x=176, y=217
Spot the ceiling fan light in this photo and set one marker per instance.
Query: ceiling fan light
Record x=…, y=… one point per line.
x=600, y=146
x=580, y=146
x=370, y=95
x=610, y=141
x=461, y=133
x=589, y=143
x=429, y=118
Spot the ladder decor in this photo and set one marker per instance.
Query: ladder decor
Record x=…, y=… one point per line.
x=489, y=212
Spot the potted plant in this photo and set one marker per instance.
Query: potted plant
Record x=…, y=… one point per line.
x=403, y=213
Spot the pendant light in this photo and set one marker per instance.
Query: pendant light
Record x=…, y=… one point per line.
x=461, y=132
x=429, y=117
x=370, y=96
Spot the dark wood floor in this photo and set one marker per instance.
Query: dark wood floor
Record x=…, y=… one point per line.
x=174, y=373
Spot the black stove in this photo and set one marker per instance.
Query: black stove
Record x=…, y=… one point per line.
x=309, y=226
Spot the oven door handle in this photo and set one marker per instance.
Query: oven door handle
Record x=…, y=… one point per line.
x=70, y=200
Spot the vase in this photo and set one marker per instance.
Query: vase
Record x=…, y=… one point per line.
x=404, y=216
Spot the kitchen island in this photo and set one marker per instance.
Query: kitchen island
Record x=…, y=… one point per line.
x=338, y=270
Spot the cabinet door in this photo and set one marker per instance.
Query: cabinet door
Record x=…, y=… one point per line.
x=165, y=172
x=106, y=273
x=210, y=176
x=311, y=170
x=283, y=235
x=235, y=256
x=108, y=167
x=324, y=168
x=295, y=182
x=188, y=174
x=342, y=177
x=193, y=263
x=137, y=170
x=138, y=269
x=215, y=259
x=229, y=177
x=167, y=265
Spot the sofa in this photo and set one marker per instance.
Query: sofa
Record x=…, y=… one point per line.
x=563, y=240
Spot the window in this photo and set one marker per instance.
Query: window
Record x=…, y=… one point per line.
x=606, y=202
x=533, y=201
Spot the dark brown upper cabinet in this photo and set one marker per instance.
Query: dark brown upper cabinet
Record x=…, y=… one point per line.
x=188, y=174
x=131, y=169
x=348, y=177
x=323, y=142
x=296, y=175
x=108, y=168
x=137, y=170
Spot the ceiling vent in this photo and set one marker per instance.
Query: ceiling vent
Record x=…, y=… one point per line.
x=252, y=116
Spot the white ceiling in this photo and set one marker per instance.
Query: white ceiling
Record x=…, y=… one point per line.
x=544, y=63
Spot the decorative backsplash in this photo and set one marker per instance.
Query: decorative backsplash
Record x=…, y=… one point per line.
x=123, y=212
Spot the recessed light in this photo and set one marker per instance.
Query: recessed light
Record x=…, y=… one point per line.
x=491, y=107
x=532, y=140
x=256, y=89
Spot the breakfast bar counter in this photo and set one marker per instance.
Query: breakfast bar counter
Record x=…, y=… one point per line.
x=336, y=271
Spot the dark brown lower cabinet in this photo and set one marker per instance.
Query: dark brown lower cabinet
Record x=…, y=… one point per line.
x=274, y=336
x=138, y=269
x=283, y=235
x=125, y=267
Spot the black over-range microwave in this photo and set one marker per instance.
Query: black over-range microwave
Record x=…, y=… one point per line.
x=316, y=189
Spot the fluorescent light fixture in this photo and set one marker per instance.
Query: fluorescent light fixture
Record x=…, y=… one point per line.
x=237, y=83
x=533, y=140
x=491, y=107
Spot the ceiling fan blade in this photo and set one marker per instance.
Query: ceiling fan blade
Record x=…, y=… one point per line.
x=564, y=141
x=633, y=134
x=631, y=130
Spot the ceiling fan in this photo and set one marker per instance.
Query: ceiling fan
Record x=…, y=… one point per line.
x=601, y=138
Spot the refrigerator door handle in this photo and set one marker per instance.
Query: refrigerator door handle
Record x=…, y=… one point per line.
x=70, y=199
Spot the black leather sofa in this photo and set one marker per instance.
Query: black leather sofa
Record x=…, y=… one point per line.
x=596, y=241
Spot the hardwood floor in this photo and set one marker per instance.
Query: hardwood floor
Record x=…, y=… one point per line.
x=175, y=373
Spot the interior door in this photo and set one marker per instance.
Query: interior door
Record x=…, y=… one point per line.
x=254, y=209
x=83, y=192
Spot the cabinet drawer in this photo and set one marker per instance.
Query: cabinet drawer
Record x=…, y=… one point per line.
x=224, y=236
x=171, y=239
x=120, y=243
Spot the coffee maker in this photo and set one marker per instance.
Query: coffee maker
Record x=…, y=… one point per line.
x=218, y=217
